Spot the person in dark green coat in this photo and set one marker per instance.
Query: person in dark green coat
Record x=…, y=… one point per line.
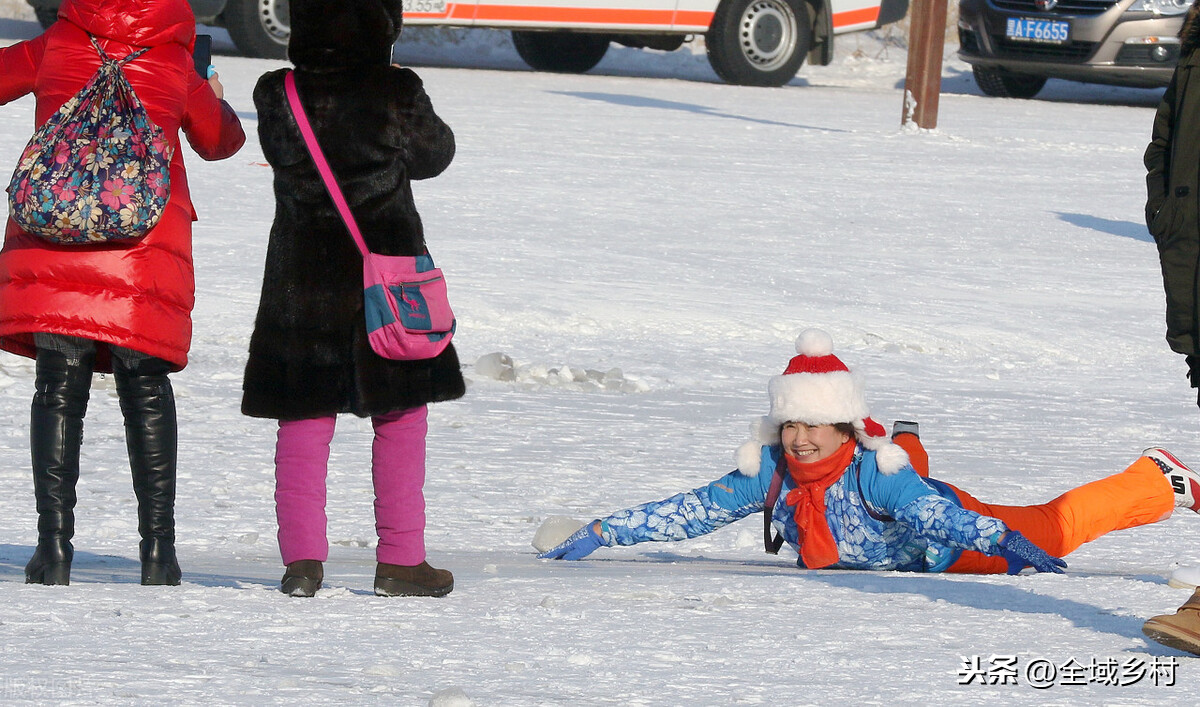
x=1173, y=217
x=1173, y=195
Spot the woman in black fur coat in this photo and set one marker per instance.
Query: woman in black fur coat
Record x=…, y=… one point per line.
x=309, y=355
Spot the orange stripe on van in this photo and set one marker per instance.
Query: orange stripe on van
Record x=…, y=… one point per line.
x=573, y=15
x=608, y=16
x=694, y=18
x=856, y=17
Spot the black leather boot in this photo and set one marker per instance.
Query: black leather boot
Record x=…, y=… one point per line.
x=55, y=435
x=151, y=436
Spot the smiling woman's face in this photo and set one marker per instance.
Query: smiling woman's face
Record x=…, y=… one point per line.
x=811, y=443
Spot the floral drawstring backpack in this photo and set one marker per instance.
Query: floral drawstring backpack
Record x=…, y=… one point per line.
x=99, y=170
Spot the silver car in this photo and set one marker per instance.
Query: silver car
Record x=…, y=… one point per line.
x=1014, y=46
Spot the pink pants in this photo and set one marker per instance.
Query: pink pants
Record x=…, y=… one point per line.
x=397, y=470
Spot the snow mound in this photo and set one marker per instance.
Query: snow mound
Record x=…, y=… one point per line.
x=451, y=697
x=553, y=531
x=1185, y=578
x=501, y=367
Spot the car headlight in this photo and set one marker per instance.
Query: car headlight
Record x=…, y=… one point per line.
x=1161, y=7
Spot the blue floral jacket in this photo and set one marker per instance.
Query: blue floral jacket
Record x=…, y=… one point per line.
x=880, y=521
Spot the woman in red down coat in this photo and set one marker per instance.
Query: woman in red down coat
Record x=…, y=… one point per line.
x=124, y=309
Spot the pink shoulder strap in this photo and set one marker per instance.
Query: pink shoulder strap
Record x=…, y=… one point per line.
x=314, y=149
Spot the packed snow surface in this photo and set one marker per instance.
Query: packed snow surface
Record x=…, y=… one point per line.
x=631, y=254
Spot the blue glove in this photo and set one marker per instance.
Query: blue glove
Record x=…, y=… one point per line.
x=1020, y=553
x=582, y=543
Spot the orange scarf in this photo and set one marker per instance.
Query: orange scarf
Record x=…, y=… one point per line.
x=817, y=546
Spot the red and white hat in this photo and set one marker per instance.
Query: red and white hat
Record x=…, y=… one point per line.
x=818, y=389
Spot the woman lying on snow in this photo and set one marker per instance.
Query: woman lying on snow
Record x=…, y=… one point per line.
x=850, y=499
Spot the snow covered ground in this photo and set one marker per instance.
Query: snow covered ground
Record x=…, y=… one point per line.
x=672, y=234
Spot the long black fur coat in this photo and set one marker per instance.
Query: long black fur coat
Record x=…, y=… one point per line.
x=309, y=355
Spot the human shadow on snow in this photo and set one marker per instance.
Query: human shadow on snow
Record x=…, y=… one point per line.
x=989, y=596
x=955, y=589
x=1126, y=229
x=86, y=566
x=622, y=99
x=346, y=572
x=89, y=567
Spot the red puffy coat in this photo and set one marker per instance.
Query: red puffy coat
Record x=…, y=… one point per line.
x=138, y=296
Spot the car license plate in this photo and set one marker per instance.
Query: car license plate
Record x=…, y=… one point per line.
x=437, y=7
x=1028, y=29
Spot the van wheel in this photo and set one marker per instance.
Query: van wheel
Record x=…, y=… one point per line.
x=1005, y=84
x=259, y=28
x=759, y=42
x=561, y=52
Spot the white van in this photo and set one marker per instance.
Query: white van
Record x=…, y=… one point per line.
x=750, y=42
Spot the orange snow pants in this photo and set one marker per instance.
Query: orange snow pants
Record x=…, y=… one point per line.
x=1137, y=496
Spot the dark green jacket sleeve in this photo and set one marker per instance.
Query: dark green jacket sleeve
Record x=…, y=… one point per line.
x=1158, y=155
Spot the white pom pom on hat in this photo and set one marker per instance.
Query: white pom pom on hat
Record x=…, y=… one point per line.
x=818, y=389
x=815, y=342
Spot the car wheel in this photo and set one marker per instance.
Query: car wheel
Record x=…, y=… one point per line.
x=259, y=28
x=1005, y=84
x=561, y=52
x=46, y=16
x=759, y=42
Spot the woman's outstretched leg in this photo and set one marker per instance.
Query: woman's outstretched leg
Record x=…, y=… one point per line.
x=1137, y=496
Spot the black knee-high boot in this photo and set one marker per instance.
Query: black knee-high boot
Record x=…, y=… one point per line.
x=55, y=435
x=151, y=436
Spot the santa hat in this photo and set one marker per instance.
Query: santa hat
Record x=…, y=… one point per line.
x=818, y=389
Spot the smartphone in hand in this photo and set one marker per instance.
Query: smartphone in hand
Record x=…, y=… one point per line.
x=202, y=53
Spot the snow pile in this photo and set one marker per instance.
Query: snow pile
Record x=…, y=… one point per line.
x=554, y=530
x=451, y=697
x=501, y=367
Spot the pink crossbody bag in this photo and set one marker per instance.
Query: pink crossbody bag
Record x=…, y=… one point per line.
x=408, y=315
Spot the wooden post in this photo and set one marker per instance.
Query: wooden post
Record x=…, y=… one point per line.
x=923, y=79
